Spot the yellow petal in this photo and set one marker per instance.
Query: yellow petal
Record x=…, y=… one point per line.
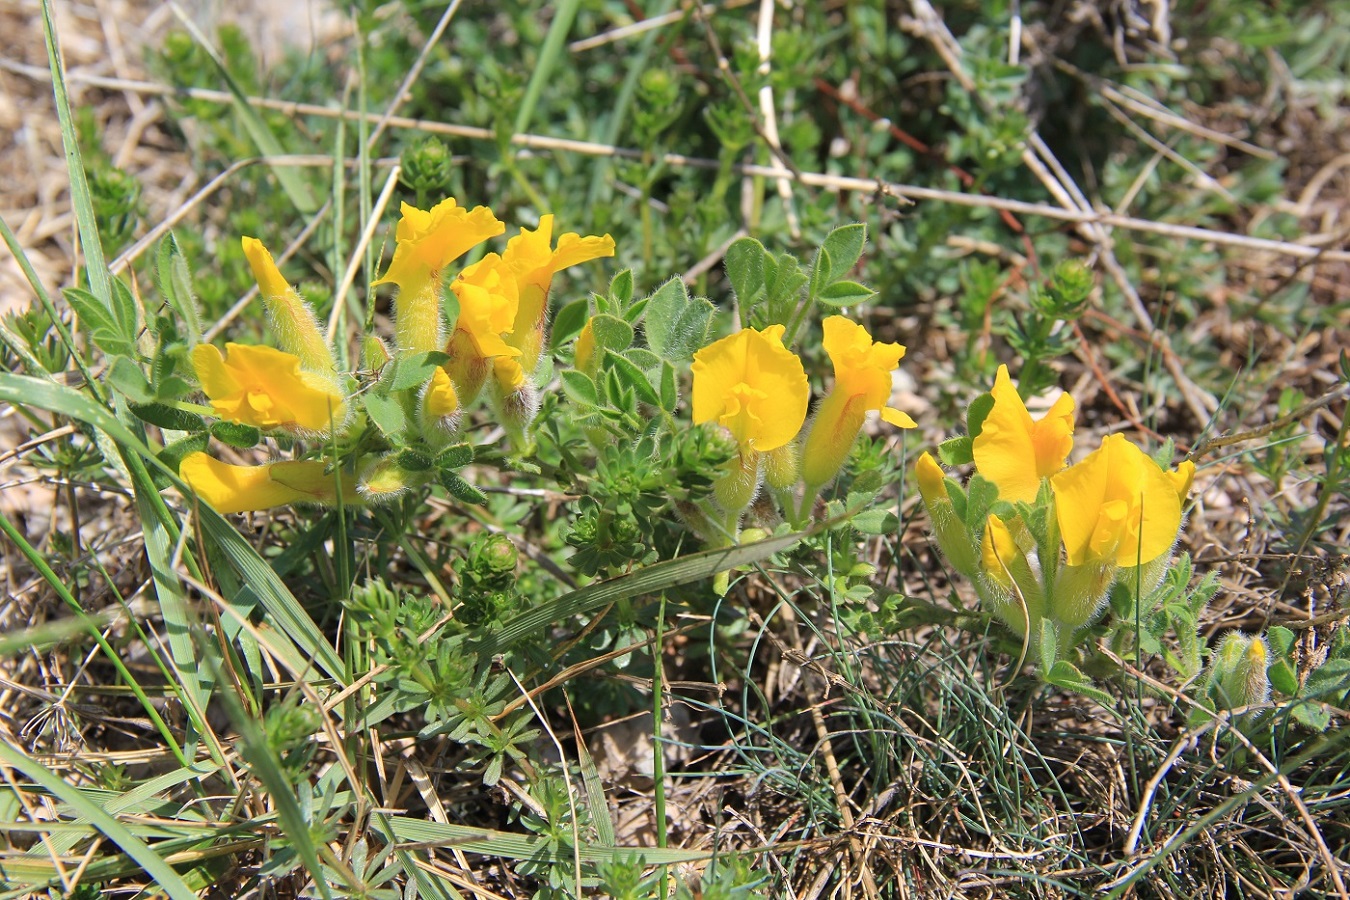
x=429, y=240
x=862, y=367
x=233, y=489
x=488, y=297
x=1116, y=505
x=1015, y=452
x=264, y=387
x=1183, y=476
x=998, y=550
x=440, y=399
x=897, y=418
x=752, y=385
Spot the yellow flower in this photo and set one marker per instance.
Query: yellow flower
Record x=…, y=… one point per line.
x=439, y=399
x=534, y=261
x=1012, y=587
x=292, y=320
x=997, y=552
x=1014, y=451
x=862, y=382
x=583, y=351
x=232, y=489
x=488, y=299
x=1183, y=476
x=1117, y=506
x=266, y=388
x=753, y=386
x=949, y=531
x=428, y=241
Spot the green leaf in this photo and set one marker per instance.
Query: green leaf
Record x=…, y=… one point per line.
x=127, y=378
x=569, y=321
x=168, y=417
x=1283, y=677
x=1066, y=675
x=1280, y=640
x=843, y=248
x=414, y=370
x=175, y=283
x=611, y=333
x=744, y=262
x=957, y=451
x=104, y=329
x=513, y=845
x=670, y=391
x=621, y=287
x=845, y=293
x=455, y=457
x=410, y=460
x=875, y=522
x=979, y=410
x=632, y=377
x=387, y=414
x=461, y=490
x=578, y=387
x=236, y=434
x=820, y=273
x=677, y=325
x=649, y=580
x=1310, y=715
x=126, y=310
x=1049, y=645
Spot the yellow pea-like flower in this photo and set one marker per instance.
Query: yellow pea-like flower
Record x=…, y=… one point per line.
x=266, y=388
x=1014, y=451
x=753, y=386
x=862, y=382
x=488, y=299
x=426, y=242
x=534, y=260
x=1117, y=506
x=291, y=318
x=233, y=489
x=439, y=400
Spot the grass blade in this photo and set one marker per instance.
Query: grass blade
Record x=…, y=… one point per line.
x=165, y=877
x=257, y=129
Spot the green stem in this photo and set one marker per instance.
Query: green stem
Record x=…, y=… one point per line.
x=659, y=756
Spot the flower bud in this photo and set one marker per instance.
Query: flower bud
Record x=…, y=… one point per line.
x=782, y=466
x=1011, y=584
x=291, y=318
x=1080, y=592
x=583, y=351
x=439, y=404
x=387, y=481
x=949, y=532
x=1238, y=672
x=739, y=483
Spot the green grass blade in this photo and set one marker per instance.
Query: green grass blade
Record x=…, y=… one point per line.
x=266, y=767
x=650, y=580
x=565, y=13
x=165, y=877
x=253, y=570
x=518, y=846
x=268, y=145
x=96, y=265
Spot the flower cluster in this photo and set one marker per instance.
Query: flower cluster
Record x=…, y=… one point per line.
x=403, y=424
x=1045, y=542
x=755, y=388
